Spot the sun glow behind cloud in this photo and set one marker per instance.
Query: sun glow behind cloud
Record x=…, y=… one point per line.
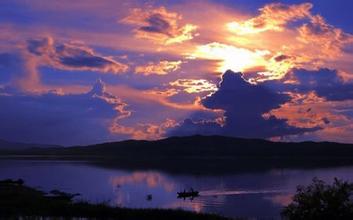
x=242, y=29
x=238, y=59
x=230, y=57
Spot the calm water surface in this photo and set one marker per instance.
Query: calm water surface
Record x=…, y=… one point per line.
x=253, y=194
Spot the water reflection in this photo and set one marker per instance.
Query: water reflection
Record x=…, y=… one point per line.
x=253, y=194
x=282, y=199
x=150, y=179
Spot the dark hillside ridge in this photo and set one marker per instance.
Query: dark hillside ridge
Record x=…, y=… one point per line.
x=200, y=147
x=211, y=155
x=7, y=145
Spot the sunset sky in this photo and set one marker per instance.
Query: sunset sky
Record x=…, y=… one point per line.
x=90, y=71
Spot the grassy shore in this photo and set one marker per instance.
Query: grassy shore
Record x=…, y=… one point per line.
x=18, y=200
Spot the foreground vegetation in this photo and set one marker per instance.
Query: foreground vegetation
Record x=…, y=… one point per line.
x=18, y=200
x=321, y=201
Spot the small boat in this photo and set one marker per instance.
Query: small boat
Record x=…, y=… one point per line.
x=149, y=197
x=188, y=194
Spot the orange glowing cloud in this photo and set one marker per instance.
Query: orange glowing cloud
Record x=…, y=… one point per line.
x=143, y=131
x=272, y=17
x=161, y=68
x=309, y=110
x=276, y=68
x=160, y=26
x=194, y=85
x=323, y=38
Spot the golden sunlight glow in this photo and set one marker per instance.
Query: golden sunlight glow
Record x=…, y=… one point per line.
x=276, y=70
x=194, y=85
x=243, y=28
x=186, y=33
x=231, y=57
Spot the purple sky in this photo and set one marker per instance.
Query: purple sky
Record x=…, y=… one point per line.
x=83, y=72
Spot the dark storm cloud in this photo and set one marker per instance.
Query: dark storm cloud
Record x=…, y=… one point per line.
x=324, y=82
x=58, y=118
x=244, y=105
x=190, y=127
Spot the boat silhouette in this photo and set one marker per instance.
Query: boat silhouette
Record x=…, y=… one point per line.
x=188, y=194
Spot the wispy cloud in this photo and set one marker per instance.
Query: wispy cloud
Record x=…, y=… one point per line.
x=163, y=67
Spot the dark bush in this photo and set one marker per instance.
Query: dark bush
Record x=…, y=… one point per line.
x=320, y=200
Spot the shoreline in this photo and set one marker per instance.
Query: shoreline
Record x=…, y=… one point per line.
x=18, y=200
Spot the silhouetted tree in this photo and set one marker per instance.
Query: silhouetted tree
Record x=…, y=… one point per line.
x=321, y=201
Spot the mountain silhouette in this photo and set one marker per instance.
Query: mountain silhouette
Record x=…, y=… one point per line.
x=195, y=146
x=7, y=145
x=197, y=154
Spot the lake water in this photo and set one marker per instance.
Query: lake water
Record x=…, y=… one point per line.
x=253, y=194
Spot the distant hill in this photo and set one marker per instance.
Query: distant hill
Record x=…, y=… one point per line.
x=200, y=147
x=6, y=145
x=199, y=154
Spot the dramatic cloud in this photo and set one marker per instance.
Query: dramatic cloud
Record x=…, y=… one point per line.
x=161, y=68
x=319, y=98
x=72, y=56
x=307, y=110
x=272, y=17
x=325, y=83
x=293, y=32
x=56, y=118
x=327, y=39
x=21, y=63
x=159, y=25
x=245, y=108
